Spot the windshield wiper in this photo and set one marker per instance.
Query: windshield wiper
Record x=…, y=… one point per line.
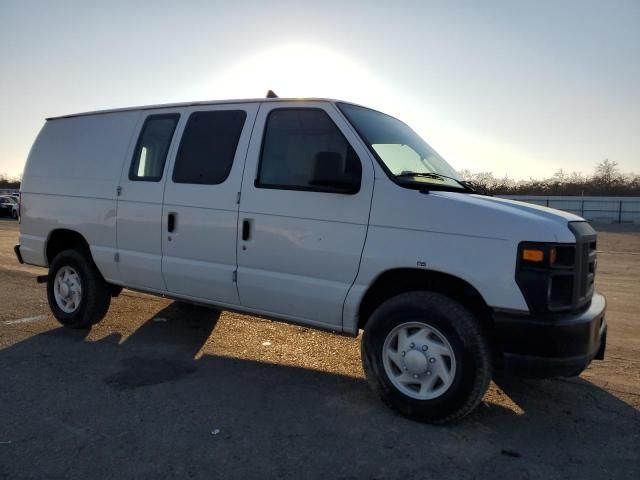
x=437, y=176
x=479, y=189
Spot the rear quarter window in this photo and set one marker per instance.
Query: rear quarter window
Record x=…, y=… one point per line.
x=152, y=148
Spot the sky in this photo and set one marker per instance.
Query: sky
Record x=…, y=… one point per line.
x=516, y=88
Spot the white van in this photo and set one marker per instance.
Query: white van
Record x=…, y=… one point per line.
x=317, y=212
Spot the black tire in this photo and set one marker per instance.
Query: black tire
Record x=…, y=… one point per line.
x=14, y=214
x=463, y=332
x=96, y=295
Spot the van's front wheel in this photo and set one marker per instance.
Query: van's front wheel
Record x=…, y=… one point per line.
x=78, y=295
x=426, y=356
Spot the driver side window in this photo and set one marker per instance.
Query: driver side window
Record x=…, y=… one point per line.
x=303, y=149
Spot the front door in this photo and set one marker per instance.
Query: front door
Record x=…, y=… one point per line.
x=200, y=212
x=304, y=212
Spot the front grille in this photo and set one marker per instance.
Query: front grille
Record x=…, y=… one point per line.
x=586, y=263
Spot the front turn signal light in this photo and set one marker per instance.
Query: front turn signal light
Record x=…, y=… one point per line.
x=532, y=255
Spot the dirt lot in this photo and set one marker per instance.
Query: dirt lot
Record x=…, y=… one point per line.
x=158, y=390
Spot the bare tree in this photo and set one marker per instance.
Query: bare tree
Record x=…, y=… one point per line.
x=9, y=182
x=607, y=172
x=606, y=180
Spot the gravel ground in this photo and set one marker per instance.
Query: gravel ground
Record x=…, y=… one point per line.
x=163, y=390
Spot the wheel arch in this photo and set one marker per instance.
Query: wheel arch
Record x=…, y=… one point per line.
x=395, y=281
x=62, y=239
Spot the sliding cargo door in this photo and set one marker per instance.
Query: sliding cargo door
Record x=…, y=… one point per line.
x=140, y=192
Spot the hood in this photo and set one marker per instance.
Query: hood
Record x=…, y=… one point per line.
x=470, y=215
x=532, y=208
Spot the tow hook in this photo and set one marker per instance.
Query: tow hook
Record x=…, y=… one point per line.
x=42, y=278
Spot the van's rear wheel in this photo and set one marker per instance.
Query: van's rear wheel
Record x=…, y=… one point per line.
x=426, y=356
x=78, y=295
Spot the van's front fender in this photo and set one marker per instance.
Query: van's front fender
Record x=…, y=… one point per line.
x=487, y=264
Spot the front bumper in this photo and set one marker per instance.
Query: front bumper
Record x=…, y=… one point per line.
x=549, y=345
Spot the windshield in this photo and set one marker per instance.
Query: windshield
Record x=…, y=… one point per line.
x=404, y=154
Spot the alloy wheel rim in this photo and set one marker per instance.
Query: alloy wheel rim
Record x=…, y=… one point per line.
x=419, y=360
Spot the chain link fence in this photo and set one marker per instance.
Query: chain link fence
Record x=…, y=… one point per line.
x=597, y=209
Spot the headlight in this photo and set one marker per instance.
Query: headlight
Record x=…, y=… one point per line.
x=545, y=275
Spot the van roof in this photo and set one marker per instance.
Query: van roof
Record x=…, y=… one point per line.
x=190, y=104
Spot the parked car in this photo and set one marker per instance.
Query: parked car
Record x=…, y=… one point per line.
x=317, y=212
x=15, y=210
x=7, y=206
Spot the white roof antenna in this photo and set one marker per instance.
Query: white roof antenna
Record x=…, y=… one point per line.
x=271, y=94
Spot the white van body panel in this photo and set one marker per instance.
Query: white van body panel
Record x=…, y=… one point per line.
x=199, y=257
x=70, y=182
x=305, y=247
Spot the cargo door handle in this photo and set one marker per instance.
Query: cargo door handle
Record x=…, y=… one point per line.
x=171, y=222
x=246, y=229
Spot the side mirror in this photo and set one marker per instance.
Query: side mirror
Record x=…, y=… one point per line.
x=329, y=172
